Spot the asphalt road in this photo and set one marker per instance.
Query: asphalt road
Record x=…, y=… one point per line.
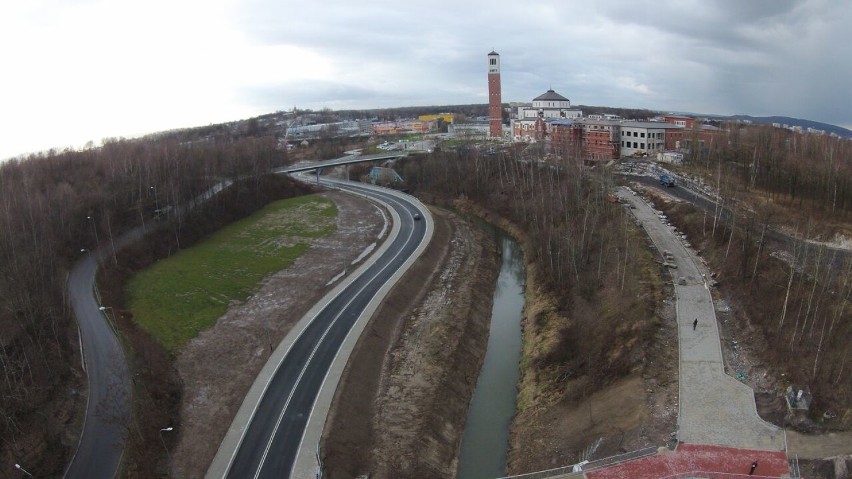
x=108, y=408
x=271, y=440
x=778, y=239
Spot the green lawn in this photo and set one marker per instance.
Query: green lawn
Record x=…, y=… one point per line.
x=180, y=296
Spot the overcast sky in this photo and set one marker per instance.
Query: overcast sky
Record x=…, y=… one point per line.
x=78, y=70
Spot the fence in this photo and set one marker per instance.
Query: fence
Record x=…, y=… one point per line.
x=608, y=461
x=716, y=475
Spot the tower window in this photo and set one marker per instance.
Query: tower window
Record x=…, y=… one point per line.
x=493, y=61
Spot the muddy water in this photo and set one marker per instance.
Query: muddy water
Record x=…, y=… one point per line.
x=486, y=435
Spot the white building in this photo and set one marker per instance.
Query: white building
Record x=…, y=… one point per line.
x=549, y=105
x=673, y=157
x=470, y=131
x=643, y=137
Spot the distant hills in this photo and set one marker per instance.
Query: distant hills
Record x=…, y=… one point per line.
x=760, y=120
x=786, y=120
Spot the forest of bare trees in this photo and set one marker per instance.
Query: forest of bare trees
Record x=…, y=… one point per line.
x=789, y=167
x=52, y=206
x=55, y=204
x=579, y=246
x=798, y=292
x=764, y=175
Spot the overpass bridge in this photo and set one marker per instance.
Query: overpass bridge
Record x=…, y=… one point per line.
x=346, y=160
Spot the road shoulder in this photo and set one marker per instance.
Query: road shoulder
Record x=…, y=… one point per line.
x=218, y=367
x=413, y=370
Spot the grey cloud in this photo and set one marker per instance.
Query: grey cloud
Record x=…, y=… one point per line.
x=782, y=57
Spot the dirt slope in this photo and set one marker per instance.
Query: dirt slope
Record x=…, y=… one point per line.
x=218, y=367
x=402, y=403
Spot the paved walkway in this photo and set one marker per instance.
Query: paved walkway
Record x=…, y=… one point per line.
x=714, y=407
x=693, y=461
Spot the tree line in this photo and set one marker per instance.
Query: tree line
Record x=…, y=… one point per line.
x=790, y=167
x=804, y=309
x=579, y=245
x=797, y=295
x=53, y=207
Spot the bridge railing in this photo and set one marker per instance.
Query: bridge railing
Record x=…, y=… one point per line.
x=607, y=461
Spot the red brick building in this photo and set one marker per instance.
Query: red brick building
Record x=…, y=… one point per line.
x=684, y=121
x=601, y=141
x=688, y=133
x=566, y=137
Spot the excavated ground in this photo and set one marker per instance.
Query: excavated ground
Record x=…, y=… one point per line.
x=219, y=365
x=401, y=406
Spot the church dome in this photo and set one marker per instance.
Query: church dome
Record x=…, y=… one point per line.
x=550, y=95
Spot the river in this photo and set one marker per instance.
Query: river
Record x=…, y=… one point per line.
x=486, y=436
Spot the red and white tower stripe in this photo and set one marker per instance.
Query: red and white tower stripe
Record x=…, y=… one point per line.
x=495, y=103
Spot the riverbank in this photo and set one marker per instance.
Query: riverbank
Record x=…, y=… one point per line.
x=486, y=434
x=562, y=413
x=568, y=413
x=413, y=371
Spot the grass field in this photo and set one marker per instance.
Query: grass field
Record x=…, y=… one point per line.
x=180, y=296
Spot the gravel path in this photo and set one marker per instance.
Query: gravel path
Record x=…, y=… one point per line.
x=714, y=407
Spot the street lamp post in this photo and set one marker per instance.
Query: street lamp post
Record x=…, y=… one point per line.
x=110, y=316
x=156, y=201
x=166, y=429
x=18, y=467
x=95, y=229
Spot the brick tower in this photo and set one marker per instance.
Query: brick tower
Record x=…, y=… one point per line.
x=495, y=103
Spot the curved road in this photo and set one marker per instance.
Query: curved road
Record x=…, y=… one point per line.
x=108, y=405
x=108, y=408
x=268, y=445
x=784, y=240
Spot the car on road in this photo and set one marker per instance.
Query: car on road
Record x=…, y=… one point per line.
x=416, y=216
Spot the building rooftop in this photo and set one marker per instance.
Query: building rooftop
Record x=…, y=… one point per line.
x=550, y=95
x=649, y=124
x=631, y=123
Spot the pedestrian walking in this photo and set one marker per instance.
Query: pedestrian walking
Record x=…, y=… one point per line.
x=753, y=467
x=694, y=324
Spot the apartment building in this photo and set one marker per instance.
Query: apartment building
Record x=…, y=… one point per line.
x=644, y=137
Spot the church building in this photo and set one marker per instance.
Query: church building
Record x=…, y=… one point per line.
x=529, y=124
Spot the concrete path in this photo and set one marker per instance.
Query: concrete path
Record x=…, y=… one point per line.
x=714, y=407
